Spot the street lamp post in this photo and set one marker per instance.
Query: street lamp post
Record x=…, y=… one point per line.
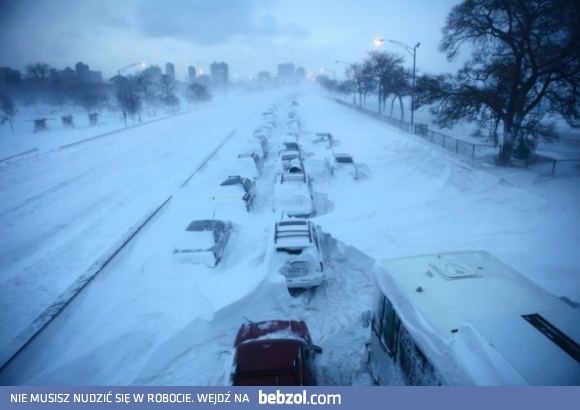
x=342, y=62
x=122, y=70
x=413, y=52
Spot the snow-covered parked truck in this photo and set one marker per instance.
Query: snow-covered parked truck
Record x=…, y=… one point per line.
x=467, y=318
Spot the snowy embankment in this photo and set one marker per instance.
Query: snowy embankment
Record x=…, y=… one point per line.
x=147, y=320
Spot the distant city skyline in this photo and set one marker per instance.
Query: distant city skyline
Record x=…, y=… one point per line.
x=218, y=72
x=250, y=35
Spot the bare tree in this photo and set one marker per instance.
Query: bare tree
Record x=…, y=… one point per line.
x=8, y=108
x=386, y=68
x=524, y=67
x=167, y=93
x=90, y=96
x=127, y=97
x=37, y=71
x=198, y=93
x=148, y=90
x=330, y=85
x=362, y=76
x=346, y=87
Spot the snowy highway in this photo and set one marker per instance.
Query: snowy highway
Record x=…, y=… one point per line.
x=146, y=320
x=61, y=209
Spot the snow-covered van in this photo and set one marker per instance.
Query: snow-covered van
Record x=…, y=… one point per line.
x=467, y=318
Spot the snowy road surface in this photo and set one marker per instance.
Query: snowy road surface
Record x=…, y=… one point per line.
x=148, y=320
x=61, y=209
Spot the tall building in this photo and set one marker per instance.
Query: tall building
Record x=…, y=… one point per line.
x=82, y=72
x=170, y=71
x=286, y=72
x=85, y=75
x=300, y=73
x=219, y=73
x=153, y=72
x=191, y=74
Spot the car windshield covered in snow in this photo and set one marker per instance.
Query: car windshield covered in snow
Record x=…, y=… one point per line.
x=236, y=189
x=203, y=242
x=290, y=146
x=239, y=183
x=343, y=158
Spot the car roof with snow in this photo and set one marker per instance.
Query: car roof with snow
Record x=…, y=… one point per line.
x=293, y=233
x=296, y=175
x=205, y=225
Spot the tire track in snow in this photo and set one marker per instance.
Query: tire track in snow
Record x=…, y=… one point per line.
x=50, y=191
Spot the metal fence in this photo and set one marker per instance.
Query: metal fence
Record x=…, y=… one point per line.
x=455, y=144
x=474, y=150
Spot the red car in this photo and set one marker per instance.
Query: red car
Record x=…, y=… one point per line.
x=274, y=353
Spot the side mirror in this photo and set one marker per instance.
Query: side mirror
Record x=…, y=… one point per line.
x=317, y=349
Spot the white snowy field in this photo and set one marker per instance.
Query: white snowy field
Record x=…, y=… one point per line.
x=146, y=320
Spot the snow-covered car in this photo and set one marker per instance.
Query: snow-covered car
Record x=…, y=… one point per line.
x=298, y=255
x=287, y=156
x=274, y=353
x=236, y=189
x=270, y=117
x=265, y=130
x=263, y=141
x=248, y=165
x=293, y=194
x=341, y=164
x=256, y=147
x=324, y=137
x=293, y=126
x=203, y=242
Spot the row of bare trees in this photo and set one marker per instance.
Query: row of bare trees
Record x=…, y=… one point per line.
x=131, y=95
x=381, y=74
x=522, y=74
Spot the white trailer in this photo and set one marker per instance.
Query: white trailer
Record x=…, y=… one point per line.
x=467, y=318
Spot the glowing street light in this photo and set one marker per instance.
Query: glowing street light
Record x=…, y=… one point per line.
x=413, y=51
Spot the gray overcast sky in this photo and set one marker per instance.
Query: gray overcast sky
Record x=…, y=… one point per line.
x=249, y=35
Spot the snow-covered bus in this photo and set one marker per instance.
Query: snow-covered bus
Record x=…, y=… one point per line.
x=467, y=318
